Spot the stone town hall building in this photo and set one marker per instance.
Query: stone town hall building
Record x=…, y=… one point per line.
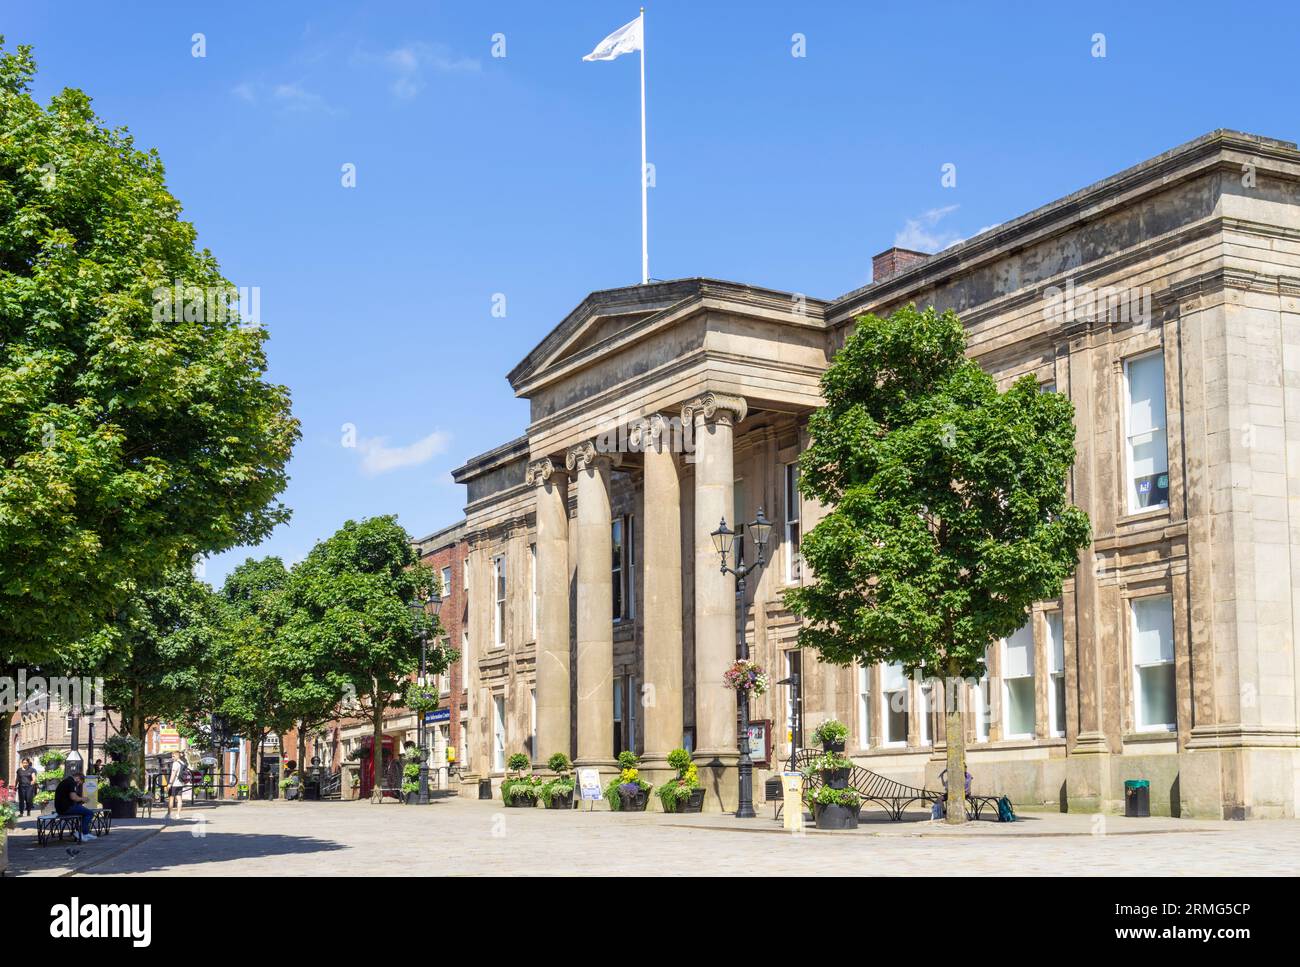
x=1165, y=301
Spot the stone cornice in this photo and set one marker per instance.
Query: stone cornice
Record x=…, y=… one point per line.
x=715, y=407
x=1207, y=153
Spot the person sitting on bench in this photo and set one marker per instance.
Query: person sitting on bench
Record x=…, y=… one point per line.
x=68, y=801
x=943, y=778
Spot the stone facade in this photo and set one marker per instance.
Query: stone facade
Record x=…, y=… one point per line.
x=1163, y=301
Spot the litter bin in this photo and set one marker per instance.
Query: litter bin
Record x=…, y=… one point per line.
x=1137, y=797
x=485, y=789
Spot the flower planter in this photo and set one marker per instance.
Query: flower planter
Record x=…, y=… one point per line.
x=120, y=808
x=836, y=778
x=633, y=802
x=693, y=803
x=561, y=800
x=833, y=746
x=835, y=817
x=522, y=800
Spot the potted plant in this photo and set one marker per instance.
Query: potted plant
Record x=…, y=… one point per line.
x=45, y=800
x=746, y=676
x=117, y=796
x=411, y=774
x=834, y=769
x=682, y=794
x=8, y=820
x=51, y=773
x=629, y=792
x=836, y=808
x=831, y=734
x=122, y=748
x=121, y=803
x=557, y=793
x=521, y=790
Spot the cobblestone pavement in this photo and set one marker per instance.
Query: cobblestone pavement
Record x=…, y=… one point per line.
x=464, y=837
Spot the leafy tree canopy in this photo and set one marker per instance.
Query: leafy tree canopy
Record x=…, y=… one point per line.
x=134, y=432
x=352, y=594
x=948, y=514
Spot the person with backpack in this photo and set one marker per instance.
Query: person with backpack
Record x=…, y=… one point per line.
x=177, y=776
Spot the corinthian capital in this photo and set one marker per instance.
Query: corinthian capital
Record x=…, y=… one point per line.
x=539, y=471
x=715, y=407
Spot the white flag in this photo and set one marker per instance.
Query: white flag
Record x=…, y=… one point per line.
x=624, y=40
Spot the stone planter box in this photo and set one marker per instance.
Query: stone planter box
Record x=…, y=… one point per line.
x=692, y=804
x=835, y=817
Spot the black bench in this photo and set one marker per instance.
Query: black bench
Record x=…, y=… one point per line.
x=54, y=826
x=890, y=794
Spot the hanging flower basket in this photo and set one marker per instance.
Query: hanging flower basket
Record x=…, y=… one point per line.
x=746, y=676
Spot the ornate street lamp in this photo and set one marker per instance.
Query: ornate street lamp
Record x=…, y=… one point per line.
x=760, y=530
x=419, y=607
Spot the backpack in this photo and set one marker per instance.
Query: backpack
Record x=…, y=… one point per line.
x=187, y=775
x=1005, y=813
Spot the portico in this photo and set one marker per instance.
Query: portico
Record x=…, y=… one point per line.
x=671, y=457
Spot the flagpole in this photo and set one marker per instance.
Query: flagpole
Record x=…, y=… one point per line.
x=645, y=246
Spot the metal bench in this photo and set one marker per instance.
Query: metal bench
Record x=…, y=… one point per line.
x=890, y=794
x=54, y=826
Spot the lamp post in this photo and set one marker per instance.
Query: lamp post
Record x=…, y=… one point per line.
x=760, y=528
x=417, y=609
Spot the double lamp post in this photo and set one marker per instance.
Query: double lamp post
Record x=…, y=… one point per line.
x=726, y=541
x=418, y=607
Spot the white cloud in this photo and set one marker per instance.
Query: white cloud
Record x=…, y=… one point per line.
x=922, y=233
x=377, y=457
x=410, y=63
x=286, y=96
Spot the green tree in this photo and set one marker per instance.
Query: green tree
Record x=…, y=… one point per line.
x=353, y=592
x=948, y=515
x=244, y=686
x=153, y=657
x=134, y=432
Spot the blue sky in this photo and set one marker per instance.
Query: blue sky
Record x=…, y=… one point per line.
x=478, y=175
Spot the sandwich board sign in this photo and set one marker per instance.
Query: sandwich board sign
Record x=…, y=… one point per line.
x=589, y=785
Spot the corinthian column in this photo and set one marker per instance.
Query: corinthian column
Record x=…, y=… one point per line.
x=711, y=418
x=662, y=580
x=595, y=602
x=552, y=485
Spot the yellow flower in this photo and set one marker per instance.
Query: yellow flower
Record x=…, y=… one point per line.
x=630, y=775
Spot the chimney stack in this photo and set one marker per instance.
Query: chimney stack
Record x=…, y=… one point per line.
x=892, y=261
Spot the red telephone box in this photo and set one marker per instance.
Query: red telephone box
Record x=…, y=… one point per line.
x=368, y=763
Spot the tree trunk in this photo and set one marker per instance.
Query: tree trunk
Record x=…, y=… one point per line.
x=377, y=750
x=254, y=762
x=302, y=751
x=137, y=733
x=955, y=735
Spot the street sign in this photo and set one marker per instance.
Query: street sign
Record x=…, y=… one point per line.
x=437, y=715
